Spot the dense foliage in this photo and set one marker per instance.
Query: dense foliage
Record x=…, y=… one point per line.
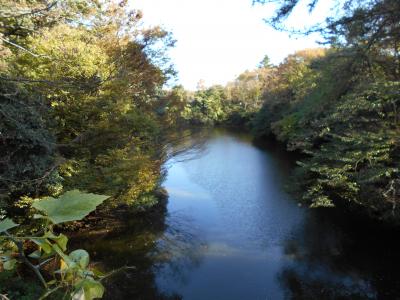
x=79, y=80
x=233, y=104
x=340, y=108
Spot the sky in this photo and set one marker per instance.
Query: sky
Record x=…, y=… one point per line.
x=219, y=39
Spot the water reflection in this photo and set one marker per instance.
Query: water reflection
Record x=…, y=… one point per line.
x=242, y=213
x=179, y=250
x=129, y=246
x=230, y=231
x=260, y=244
x=337, y=255
x=186, y=145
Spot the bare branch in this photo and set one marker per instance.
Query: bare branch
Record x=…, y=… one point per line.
x=20, y=47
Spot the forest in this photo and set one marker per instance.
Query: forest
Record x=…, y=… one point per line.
x=87, y=122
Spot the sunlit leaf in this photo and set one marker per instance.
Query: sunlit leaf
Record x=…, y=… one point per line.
x=98, y=273
x=35, y=254
x=61, y=240
x=39, y=216
x=81, y=257
x=51, y=282
x=70, y=263
x=9, y=264
x=63, y=265
x=88, y=289
x=71, y=206
x=44, y=244
x=79, y=295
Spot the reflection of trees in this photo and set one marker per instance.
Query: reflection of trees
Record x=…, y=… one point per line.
x=286, y=160
x=145, y=241
x=303, y=285
x=185, y=145
x=341, y=257
x=129, y=246
x=179, y=250
x=148, y=244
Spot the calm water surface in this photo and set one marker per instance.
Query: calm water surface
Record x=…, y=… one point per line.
x=230, y=231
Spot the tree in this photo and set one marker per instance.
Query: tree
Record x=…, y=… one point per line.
x=265, y=62
x=94, y=75
x=341, y=109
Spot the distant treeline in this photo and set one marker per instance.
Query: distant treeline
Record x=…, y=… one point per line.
x=338, y=105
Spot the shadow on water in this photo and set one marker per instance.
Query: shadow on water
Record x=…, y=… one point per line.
x=147, y=243
x=339, y=256
x=143, y=243
x=128, y=246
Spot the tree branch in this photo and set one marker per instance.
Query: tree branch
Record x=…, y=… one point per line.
x=21, y=253
x=20, y=47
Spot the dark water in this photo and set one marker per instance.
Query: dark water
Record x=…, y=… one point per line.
x=230, y=231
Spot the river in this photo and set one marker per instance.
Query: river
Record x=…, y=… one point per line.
x=230, y=231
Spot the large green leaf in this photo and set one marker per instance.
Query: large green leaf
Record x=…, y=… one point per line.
x=7, y=224
x=71, y=206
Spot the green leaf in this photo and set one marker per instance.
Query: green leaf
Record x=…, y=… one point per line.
x=98, y=273
x=51, y=282
x=88, y=289
x=35, y=254
x=71, y=206
x=43, y=244
x=78, y=295
x=68, y=261
x=7, y=224
x=9, y=264
x=81, y=257
x=61, y=241
x=39, y=216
